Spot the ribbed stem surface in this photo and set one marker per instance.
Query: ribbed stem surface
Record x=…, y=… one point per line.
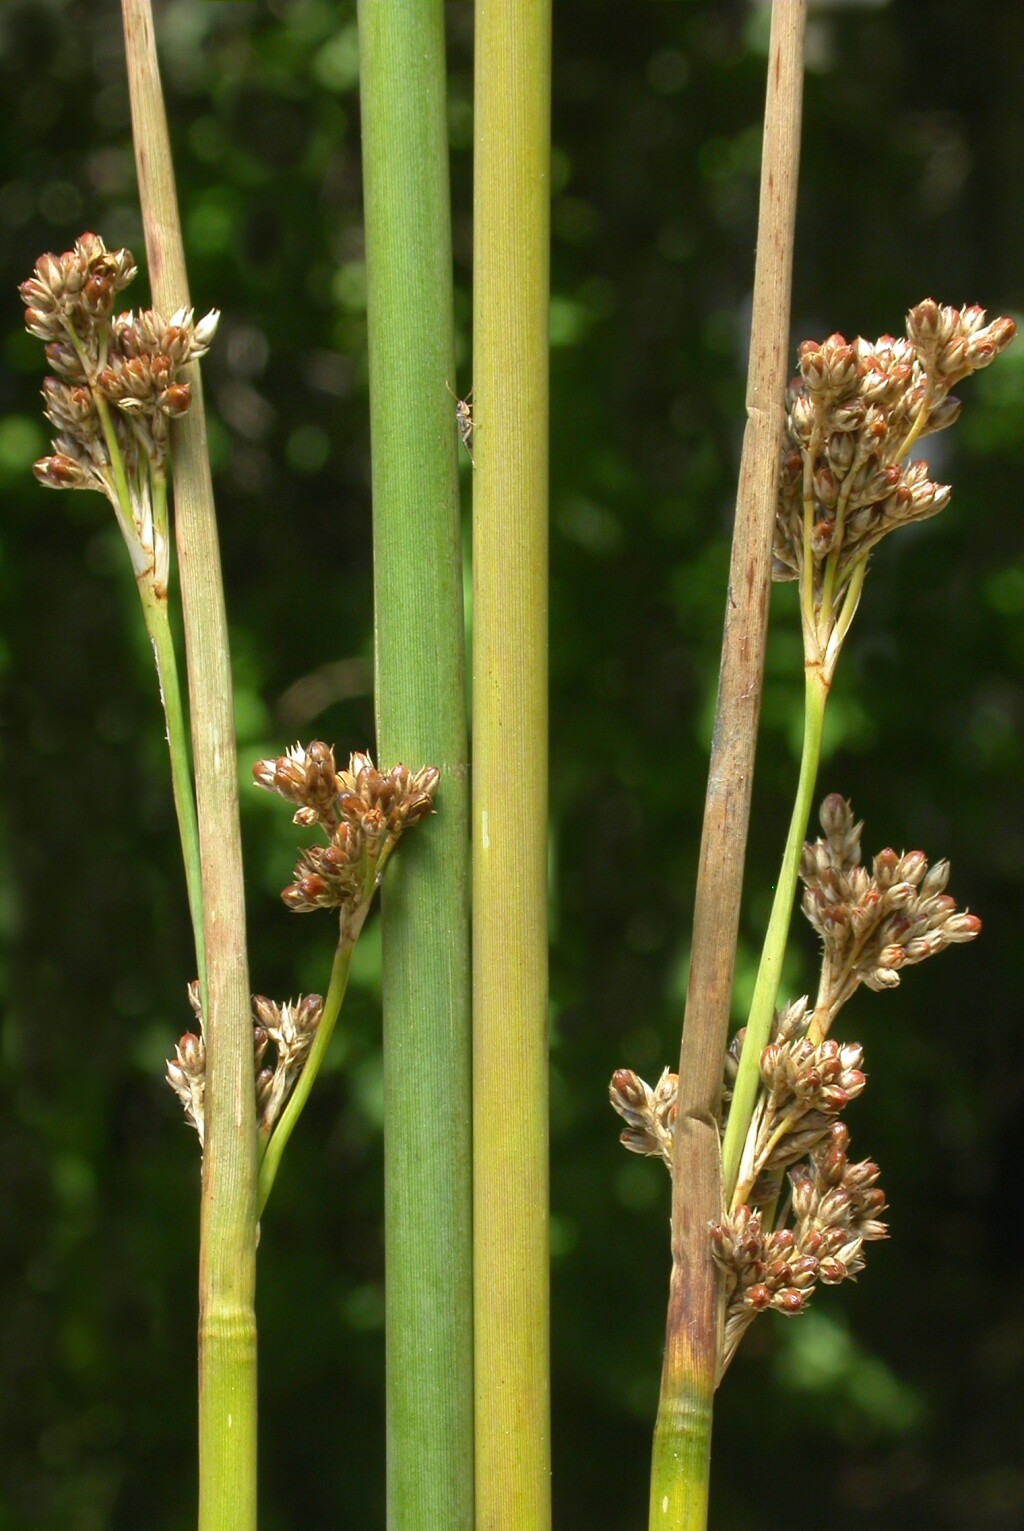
x=421, y=720
x=510, y=714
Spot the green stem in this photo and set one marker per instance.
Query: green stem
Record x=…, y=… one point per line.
x=766, y=987
x=158, y=626
x=421, y=719
x=124, y=505
x=154, y=597
x=297, y=1100
x=847, y=612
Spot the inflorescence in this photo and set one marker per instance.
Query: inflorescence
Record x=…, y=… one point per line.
x=871, y=925
x=282, y=1036
x=855, y=411
x=116, y=387
x=362, y=813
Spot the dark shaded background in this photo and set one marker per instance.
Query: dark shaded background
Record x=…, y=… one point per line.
x=896, y=1401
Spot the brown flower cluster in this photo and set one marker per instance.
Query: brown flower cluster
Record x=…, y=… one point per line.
x=282, y=1037
x=855, y=411
x=362, y=813
x=872, y=923
x=117, y=379
x=775, y=1248
x=805, y=1086
x=836, y=1207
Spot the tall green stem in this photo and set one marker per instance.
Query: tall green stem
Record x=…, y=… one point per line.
x=227, y=1259
x=158, y=626
x=766, y=986
x=421, y=719
x=510, y=619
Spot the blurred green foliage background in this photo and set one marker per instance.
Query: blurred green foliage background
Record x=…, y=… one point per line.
x=896, y=1401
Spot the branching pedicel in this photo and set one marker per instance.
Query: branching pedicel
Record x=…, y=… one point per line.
x=855, y=411
x=362, y=814
x=117, y=388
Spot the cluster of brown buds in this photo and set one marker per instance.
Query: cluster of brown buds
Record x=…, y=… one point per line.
x=855, y=411
x=116, y=386
x=872, y=923
x=362, y=813
x=836, y=1207
x=804, y=1087
x=282, y=1037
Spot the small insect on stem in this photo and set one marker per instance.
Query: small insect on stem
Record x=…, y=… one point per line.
x=464, y=418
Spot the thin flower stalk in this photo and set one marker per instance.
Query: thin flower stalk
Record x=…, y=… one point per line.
x=769, y=972
x=361, y=814
x=117, y=385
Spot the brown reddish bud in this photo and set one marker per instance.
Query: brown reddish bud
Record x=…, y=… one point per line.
x=175, y=400
x=61, y=472
x=790, y=1301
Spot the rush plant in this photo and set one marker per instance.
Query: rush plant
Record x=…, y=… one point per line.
x=797, y=1211
x=768, y=1202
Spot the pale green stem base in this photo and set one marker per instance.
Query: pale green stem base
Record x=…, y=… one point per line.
x=680, y=1466
x=227, y=1408
x=766, y=988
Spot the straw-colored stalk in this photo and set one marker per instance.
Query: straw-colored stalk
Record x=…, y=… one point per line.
x=510, y=606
